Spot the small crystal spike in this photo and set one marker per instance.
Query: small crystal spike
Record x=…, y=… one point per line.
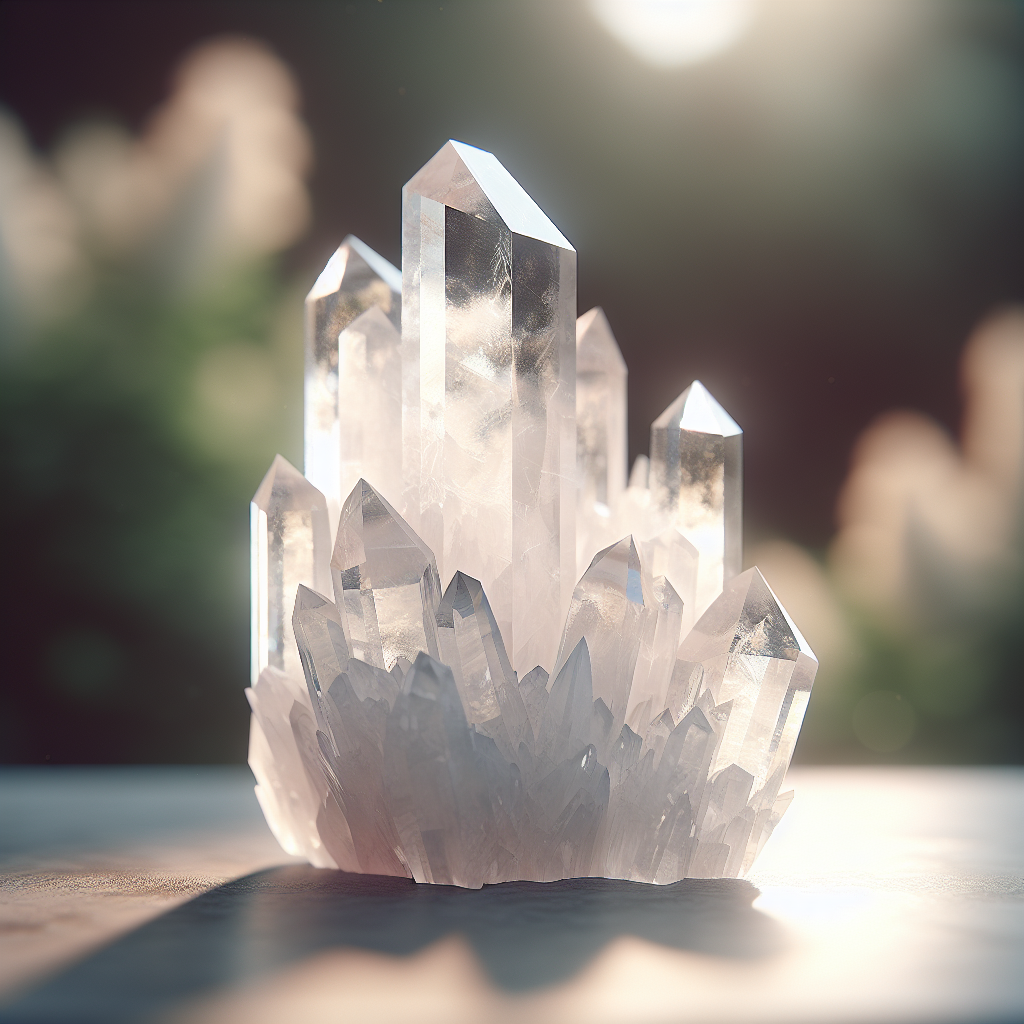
x=566, y=717
x=321, y=642
x=290, y=545
x=601, y=448
x=658, y=647
x=370, y=404
x=609, y=608
x=436, y=783
x=671, y=555
x=471, y=646
x=352, y=700
x=489, y=364
x=385, y=582
x=697, y=480
x=354, y=280
x=290, y=784
x=745, y=651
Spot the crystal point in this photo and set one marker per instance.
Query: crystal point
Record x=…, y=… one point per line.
x=601, y=447
x=290, y=543
x=385, y=582
x=745, y=651
x=696, y=479
x=489, y=363
x=609, y=608
x=471, y=645
x=355, y=280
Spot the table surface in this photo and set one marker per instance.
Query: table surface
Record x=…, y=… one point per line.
x=158, y=894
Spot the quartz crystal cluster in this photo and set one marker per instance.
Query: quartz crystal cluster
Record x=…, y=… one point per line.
x=480, y=652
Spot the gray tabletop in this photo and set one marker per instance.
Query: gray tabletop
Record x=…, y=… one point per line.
x=158, y=894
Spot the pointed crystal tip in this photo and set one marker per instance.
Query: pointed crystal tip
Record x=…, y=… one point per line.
x=474, y=181
x=595, y=343
x=339, y=266
x=749, y=619
x=287, y=489
x=696, y=409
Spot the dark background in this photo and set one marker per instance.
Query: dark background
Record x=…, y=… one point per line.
x=811, y=223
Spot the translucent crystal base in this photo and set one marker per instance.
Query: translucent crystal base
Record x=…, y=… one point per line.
x=458, y=772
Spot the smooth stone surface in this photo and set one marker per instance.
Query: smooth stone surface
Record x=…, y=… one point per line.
x=886, y=894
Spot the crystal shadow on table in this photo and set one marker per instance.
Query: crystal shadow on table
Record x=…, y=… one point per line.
x=526, y=934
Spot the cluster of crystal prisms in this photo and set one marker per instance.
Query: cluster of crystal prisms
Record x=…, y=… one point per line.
x=480, y=652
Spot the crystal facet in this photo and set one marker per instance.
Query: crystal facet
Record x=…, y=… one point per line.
x=489, y=293
x=697, y=480
x=290, y=545
x=354, y=280
x=391, y=731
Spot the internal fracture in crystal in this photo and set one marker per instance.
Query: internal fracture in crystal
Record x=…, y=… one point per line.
x=355, y=279
x=634, y=719
x=489, y=356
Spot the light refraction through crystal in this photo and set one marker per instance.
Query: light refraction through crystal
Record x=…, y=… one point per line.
x=479, y=652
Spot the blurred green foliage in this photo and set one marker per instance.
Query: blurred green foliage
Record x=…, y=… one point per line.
x=133, y=433
x=934, y=694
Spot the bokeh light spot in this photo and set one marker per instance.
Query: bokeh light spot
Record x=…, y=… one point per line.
x=671, y=33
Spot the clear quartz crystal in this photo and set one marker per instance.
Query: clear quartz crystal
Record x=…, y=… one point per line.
x=391, y=733
x=746, y=652
x=355, y=279
x=697, y=480
x=601, y=447
x=489, y=362
x=370, y=404
x=385, y=582
x=290, y=545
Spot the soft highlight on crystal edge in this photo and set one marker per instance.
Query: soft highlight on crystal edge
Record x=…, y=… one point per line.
x=443, y=694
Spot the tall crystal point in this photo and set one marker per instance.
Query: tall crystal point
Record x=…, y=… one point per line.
x=385, y=582
x=290, y=545
x=370, y=404
x=697, y=480
x=489, y=364
x=601, y=447
x=354, y=280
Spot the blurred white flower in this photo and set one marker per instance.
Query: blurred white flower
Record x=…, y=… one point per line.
x=919, y=520
x=217, y=176
x=993, y=379
x=40, y=262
